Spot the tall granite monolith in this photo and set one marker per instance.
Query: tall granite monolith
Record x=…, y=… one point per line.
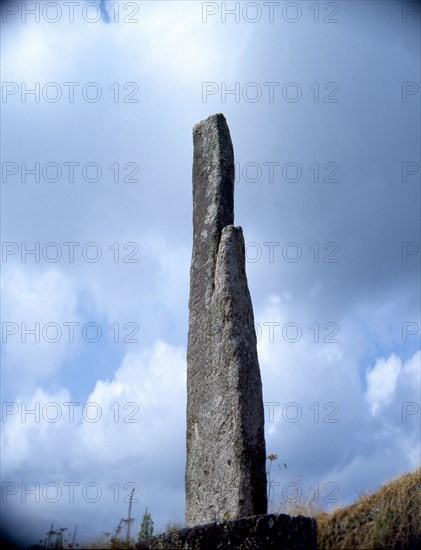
x=225, y=471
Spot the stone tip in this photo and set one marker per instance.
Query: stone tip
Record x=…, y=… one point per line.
x=212, y=119
x=231, y=230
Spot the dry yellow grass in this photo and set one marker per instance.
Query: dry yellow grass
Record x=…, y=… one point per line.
x=389, y=518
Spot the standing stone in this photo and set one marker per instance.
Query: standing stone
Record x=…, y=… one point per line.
x=225, y=471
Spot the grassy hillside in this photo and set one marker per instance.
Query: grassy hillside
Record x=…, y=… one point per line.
x=389, y=518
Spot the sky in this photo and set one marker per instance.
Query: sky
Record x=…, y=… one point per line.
x=98, y=103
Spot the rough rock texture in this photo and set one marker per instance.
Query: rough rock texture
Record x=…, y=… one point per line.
x=258, y=532
x=225, y=471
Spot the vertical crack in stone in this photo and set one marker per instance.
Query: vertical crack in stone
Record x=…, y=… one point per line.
x=225, y=471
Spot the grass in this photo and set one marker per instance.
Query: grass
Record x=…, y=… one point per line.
x=389, y=518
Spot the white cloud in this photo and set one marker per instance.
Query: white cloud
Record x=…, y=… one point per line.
x=319, y=408
x=176, y=43
x=153, y=383
x=142, y=444
x=131, y=412
x=169, y=39
x=384, y=377
x=29, y=425
x=41, y=302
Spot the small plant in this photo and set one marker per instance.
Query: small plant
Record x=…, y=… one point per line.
x=146, y=528
x=271, y=480
x=116, y=542
x=56, y=539
x=173, y=526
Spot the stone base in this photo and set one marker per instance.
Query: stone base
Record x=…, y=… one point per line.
x=255, y=532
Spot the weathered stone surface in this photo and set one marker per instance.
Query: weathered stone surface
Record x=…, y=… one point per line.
x=225, y=471
x=258, y=532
